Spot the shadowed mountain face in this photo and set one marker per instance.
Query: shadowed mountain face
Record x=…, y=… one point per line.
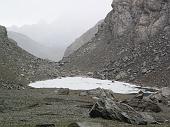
x=133, y=44
x=18, y=67
x=30, y=45
x=79, y=42
x=56, y=36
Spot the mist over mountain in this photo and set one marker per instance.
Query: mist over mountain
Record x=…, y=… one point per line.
x=57, y=36
x=32, y=46
x=83, y=39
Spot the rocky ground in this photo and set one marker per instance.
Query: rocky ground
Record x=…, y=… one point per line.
x=132, y=44
x=31, y=107
x=18, y=67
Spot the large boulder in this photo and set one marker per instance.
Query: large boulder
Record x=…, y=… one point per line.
x=109, y=109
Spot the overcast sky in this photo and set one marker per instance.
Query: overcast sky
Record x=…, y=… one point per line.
x=20, y=12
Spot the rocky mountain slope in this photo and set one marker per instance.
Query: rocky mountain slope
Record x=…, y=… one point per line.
x=79, y=42
x=57, y=35
x=18, y=67
x=30, y=45
x=133, y=44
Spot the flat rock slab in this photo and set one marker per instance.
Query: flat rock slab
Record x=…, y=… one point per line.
x=85, y=124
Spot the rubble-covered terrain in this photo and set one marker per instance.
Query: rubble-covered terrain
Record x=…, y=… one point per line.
x=18, y=68
x=132, y=44
x=64, y=107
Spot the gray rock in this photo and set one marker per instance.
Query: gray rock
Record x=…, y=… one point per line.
x=168, y=103
x=121, y=75
x=101, y=93
x=142, y=104
x=149, y=118
x=98, y=75
x=90, y=74
x=144, y=70
x=83, y=93
x=62, y=91
x=3, y=32
x=162, y=96
x=109, y=109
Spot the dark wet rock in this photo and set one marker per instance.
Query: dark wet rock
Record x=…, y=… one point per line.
x=109, y=109
x=62, y=91
x=45, y=125
x=140, y=95
x=90, y=74
x=142, y=104
x=85, y=124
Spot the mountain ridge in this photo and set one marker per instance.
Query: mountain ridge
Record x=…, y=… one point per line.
x=83, y=39
x=29, y=45
x=132, y=45
x=18, y=68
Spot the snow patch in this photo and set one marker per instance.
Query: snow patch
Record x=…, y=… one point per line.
x=84, y=83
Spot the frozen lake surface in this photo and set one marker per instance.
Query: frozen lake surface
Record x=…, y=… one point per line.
x=84, y=83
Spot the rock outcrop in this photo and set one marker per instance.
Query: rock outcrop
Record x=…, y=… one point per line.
x=18, y=67
x=143, y=104
x=109, y=109
x=132, y=44
x=86, y=37
x=162, y=96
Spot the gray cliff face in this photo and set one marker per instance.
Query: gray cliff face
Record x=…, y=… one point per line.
x=18, y=67
x=86, y=37
x=145, y=17
x=132, y=44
